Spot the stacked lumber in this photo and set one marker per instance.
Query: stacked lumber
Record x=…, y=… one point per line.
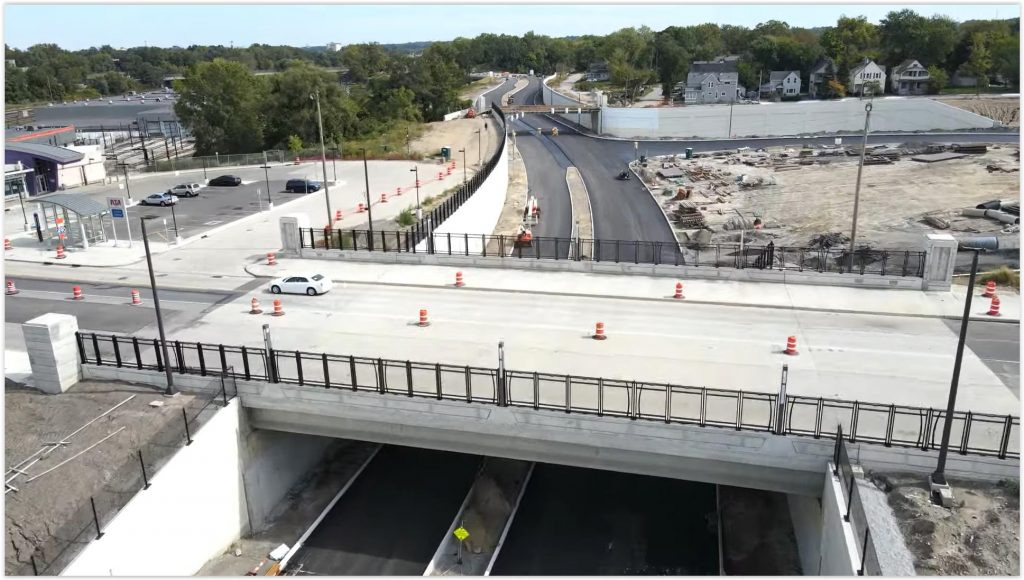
x=687, y=215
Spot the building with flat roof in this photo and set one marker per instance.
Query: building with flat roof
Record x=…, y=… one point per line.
x=56, y=136
x=47, y=168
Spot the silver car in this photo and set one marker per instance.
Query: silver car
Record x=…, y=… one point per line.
x=185, y=190
x=160, y=199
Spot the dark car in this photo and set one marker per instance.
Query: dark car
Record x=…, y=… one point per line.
x=226, y=180
x=302, y=186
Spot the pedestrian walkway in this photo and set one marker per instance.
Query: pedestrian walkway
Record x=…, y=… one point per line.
x=637, y=287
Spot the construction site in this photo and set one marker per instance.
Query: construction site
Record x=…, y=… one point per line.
x=804, y=197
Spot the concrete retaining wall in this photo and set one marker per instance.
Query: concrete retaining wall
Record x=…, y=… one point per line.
x=788, y=464
x=193, y=511
x=806, y=515
x=479, y=215
x=551, y=97
x=838, y=541
x=662, y=270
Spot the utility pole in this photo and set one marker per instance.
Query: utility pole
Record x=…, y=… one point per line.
x=323, y=154
x=369, y=206
x=731, y=103
x=169, y=391
x=856, y=191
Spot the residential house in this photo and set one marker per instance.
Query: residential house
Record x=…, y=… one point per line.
x=823, y=71
x=598, y=71
x=782, y=83
x=863, y=75
x=909, y=78
x=715, y=81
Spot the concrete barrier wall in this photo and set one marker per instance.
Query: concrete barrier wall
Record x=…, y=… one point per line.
x=838, y=541
x=552, y=97
x=662, y=270
x=479, y=215
x=193, y=511
x=806, y=515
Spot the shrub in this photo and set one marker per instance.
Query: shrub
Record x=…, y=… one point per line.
x=406, y=218
x=1004, y=276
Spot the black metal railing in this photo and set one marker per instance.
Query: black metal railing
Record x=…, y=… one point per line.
x=854, y=508
x=135, y=474
x=904, y=263
x=874, y=423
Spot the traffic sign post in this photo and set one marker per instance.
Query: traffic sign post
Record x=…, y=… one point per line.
x=119, y=211
x=461, y=533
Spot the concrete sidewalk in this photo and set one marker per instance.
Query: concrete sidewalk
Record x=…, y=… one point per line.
x=745, y=294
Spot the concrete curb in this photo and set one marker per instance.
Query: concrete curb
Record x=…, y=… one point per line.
x=973, y=318
x=660, y=207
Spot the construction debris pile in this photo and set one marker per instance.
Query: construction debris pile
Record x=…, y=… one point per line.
x=791, y=194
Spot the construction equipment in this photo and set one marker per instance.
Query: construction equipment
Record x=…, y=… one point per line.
x=524, y=237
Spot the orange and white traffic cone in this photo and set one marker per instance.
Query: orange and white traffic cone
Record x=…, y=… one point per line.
x=76, y=293
x=10, y=288
x=449, y=172
x=361, y=209
x=271, y=259
x=458, y=280
x=599, y=331
x=278, y=311
x=990, y=289
x=337, y=215
x=7, y=244
x=398, y=191
x=790, y=346
x=136, y=298
x=993, y=309
x=60, y=252
x=255, y=307
x=423, y=318
x=440, y=176
x=679, y=291
x=383, y=198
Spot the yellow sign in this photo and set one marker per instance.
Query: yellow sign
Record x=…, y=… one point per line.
x=461, y=533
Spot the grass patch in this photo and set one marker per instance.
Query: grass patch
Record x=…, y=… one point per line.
x=406, y=218
x=1004, y=276
x=971, y=90
x=392, y=145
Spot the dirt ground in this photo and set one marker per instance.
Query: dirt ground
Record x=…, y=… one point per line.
x=39, y=508
x=808, y=200
x=458, y=134
x=1006, y=111
x=476, y=88
x=979, y=537
x=303, y=504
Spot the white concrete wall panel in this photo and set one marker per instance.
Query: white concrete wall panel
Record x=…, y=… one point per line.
x=838, y=544
x=193, y=511
x=805, y=512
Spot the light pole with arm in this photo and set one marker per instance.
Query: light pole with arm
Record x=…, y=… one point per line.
x=479, y=148
x=856, y=190
x=464, y=178
x=369, y=206
x=169, y=391
x=939, y=476
x=323, y=154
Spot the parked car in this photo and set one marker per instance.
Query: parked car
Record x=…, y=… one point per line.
x=310, y=284
x=160, y=199
x=185, y=190
x=302, y=186
x=226, y=180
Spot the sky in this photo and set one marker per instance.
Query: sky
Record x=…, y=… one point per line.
x=80, y=26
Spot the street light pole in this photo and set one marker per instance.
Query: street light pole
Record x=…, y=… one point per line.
x=266, y=178
x=174, y=218
x=323, y=154
x=731, y=103
x=856, y=191
x=464, y=178
x=369, y=206
x=419, y=210
x=479, y=148
x=126, y=186
x=169, y=391
x=939, y=476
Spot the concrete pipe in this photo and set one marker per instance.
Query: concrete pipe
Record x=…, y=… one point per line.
x=973, y=212
x=994, y=204
x=1002, y=216
x=986, y=243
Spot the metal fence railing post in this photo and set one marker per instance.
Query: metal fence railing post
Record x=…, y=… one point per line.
x=849, y=500
x=95, y=518
x=142, y=466
x=81, y=348
x=864, y=552
x=188, y=435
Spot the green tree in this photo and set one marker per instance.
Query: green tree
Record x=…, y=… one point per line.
x=294, y=144
x=222, y=104
x=979, y=63
x=937, y=79
x=672, y=60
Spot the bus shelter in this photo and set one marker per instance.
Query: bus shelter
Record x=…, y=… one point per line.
x=80, y=221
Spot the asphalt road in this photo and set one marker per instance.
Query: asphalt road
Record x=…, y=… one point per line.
x=393, y=518
x=495, y=95
x=106, y=307
x=545, y=170
x=576, y=521
x=997, y=344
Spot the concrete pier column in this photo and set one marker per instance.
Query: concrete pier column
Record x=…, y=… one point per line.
x=290, y=230
x=53, y=352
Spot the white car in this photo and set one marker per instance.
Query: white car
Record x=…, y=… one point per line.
x=311, y=284
x=185, y=190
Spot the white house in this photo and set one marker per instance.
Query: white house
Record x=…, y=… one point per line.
x=909, y=78
x=784, y=83
x=864, y=73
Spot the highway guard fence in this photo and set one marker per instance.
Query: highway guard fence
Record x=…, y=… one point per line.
x=862, y=422
x=216, y=161
x=854, y=511
x=903, y=263
x=53, y=553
